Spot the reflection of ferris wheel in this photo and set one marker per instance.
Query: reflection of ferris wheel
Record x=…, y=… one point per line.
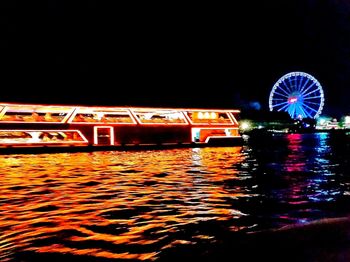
x=299, y=94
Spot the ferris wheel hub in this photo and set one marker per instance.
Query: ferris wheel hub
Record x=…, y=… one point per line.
x=292, y=100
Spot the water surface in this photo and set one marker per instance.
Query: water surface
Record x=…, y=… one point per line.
x=139, y=205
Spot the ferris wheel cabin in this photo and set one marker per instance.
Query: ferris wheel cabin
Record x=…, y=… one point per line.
x=33, y=126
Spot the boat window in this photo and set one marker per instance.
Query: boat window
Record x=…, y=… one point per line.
x=160, y=117
x=35, y=114
x=10, y=136
x=33, y=117
x=40, y=136
x=117, y=118
x=85, y=118
x=105, y=117
x=60, y=136
x=209, y=117
x=14, y=134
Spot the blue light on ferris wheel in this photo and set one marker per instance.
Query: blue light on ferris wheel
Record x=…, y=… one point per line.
x=299, y=94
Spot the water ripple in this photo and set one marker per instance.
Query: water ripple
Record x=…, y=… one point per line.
x=132, y=206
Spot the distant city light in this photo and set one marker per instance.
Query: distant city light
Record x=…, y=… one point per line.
x=347, y=120
x=245, y=125
x=322, y=121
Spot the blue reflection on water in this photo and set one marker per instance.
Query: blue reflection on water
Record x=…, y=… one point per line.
x=302, y=176
x=138, y=204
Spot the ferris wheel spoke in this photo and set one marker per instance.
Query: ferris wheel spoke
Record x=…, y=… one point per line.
x=286, y=90
x=305, y=113
x=300, y=83
x=311, y=92
x=279, y=99
x=281, y=94
x=311, y=103
x=283, y=107
x=283, y=103
x=292, y=89
x=287, y=85
x=308, y=88
x=290, y=83
x=312, y=97
x=292, y=110
x=296, y=84
x=310, y=108
x=306, y=82
x=298, y=112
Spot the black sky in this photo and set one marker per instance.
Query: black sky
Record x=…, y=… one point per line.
x=170, y=54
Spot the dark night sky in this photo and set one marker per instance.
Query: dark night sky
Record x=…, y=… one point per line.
x=168, y=54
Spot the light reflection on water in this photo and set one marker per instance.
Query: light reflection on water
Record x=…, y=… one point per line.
x=135, y=205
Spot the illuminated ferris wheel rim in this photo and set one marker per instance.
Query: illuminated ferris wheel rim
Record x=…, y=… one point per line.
x=294, y=93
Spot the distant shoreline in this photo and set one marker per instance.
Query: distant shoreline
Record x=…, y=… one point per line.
x=307, y=131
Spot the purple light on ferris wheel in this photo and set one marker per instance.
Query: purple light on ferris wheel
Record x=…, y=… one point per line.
x=292, y=100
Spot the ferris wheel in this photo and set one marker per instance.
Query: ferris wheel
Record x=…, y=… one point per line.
x=299, y=94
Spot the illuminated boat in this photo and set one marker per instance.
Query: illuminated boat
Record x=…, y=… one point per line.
x=61, y=126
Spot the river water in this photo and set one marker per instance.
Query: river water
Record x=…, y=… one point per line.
x=140, y=205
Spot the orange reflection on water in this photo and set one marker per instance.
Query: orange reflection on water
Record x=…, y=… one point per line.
x=113, y=204
x=92, y=252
